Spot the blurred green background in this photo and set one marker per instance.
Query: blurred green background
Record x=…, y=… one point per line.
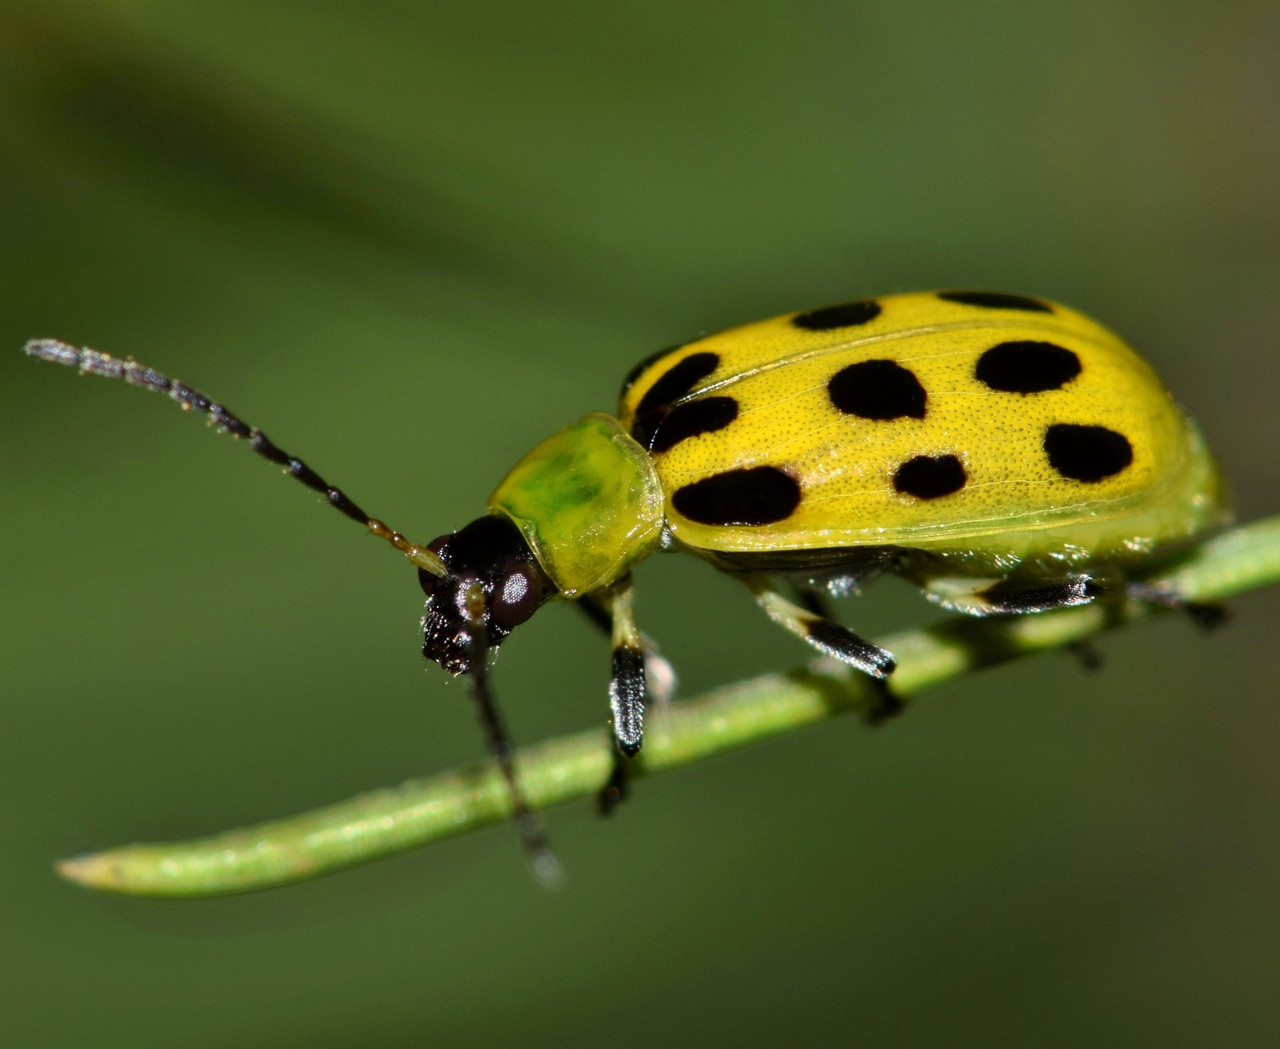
x=411, y=239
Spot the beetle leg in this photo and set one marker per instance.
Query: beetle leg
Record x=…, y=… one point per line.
x=814, y=601
x=1205, y=614
x=659, y=674
x=1021, y=598
x=1087, y=654
x=596, y=611
x=832, y=639
x=818, y=603
x=822, y=633
x=626, y=684
x=626, y=688
x=986, y=597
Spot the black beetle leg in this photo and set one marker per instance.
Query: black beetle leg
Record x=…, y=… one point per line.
x=1204, y=614
x=832, y=639
x=824, y=634
x=627, y=690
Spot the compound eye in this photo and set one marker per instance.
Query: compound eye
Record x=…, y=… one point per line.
x=515, y=598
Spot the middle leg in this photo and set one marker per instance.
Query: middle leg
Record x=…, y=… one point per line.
x=814, y=626
x=824, y=634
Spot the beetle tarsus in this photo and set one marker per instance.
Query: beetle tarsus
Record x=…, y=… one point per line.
x=884, y=704
x=1205, y=614
x=617, y=786
x=1087, y=654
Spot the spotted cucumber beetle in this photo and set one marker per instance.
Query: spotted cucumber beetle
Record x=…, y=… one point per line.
x=1003, y=453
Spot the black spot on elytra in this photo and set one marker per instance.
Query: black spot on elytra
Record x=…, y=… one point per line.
x=758, y=495
x=845, y=315
x=996, y=300
x=1025, y=366
x=930, y=476
x=676, y=381
x=655, y=408
x=639, y=369
x=705, y=415
x=877, y=390
x=1086, y=453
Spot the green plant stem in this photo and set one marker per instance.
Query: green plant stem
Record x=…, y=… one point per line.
x=424, y=810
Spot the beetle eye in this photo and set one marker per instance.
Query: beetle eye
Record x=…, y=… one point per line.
x=516, y=598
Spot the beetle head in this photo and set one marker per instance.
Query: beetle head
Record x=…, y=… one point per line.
x=493, y=583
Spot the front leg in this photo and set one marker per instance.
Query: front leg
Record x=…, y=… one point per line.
x=611, y=608
x=659, y=674
x=627, y=680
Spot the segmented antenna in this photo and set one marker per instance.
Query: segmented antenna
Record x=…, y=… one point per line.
x=94, y=363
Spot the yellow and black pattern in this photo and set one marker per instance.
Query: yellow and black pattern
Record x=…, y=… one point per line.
x=909, y=419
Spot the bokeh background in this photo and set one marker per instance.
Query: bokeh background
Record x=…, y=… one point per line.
x=411, y=239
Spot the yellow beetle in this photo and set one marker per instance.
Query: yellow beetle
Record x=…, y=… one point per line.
x=1004, y=453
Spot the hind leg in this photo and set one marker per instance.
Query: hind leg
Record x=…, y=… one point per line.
x=1012, y=596
x=984, y=597
x=1016, y=596
x=1204, y=614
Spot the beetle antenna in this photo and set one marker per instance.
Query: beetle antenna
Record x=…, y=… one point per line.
x=545, y=866
x=135, y=374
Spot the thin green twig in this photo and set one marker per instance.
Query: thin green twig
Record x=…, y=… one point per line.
x=424, y=810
